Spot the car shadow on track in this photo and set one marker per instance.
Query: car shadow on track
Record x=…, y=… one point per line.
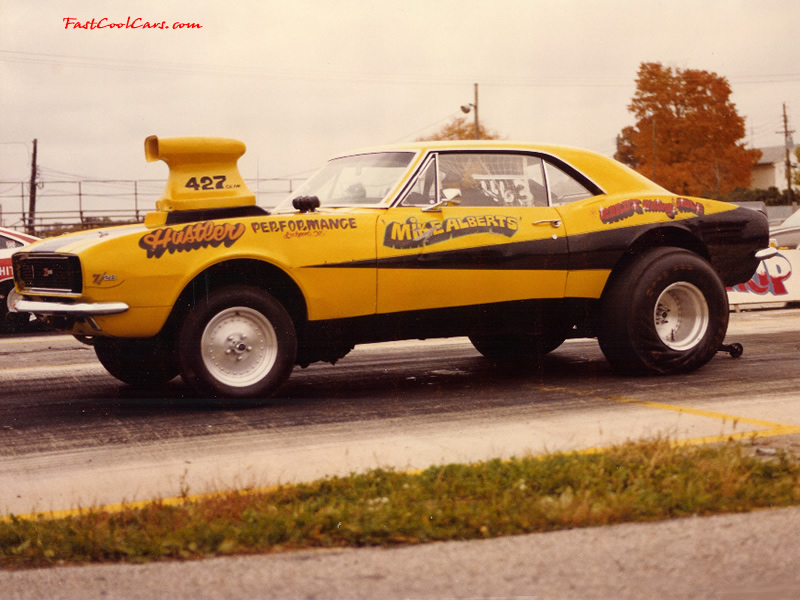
x=462, y=380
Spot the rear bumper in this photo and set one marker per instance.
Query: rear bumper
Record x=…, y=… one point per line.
x=766, y=253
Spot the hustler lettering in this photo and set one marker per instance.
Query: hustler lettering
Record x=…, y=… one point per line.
x=191, y=237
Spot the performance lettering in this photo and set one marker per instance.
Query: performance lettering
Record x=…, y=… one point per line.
x=300, y=227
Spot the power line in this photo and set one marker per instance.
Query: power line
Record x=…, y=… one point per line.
x=133, y=65
x=416, y=133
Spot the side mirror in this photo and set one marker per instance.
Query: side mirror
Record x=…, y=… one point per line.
x=306, y=203
x=450, y=197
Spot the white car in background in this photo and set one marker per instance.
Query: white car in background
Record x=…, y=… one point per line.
x=10, y=242
x=787, y=234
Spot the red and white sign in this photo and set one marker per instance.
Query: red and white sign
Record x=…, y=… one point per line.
x=774, y=281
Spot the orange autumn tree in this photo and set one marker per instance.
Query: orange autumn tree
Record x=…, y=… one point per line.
x=688, y=134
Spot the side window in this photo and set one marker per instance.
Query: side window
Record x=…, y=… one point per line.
x=423, y=191
x=563, y=188
x=7, y=242
x=494, y=179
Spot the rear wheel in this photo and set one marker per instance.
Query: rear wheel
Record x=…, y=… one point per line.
x=138, y=362
x=667, y=312
x=237, y=343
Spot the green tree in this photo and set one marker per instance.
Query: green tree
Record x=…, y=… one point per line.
x=772, y=196
x=688, y=134
x=460, y=128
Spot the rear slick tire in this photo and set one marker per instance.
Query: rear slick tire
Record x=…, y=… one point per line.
x=666, y=313
x=237, y=346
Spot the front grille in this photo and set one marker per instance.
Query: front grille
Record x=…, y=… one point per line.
x=45, y=272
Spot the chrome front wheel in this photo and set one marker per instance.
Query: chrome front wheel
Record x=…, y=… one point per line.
x=239, y=346
x=237, y=343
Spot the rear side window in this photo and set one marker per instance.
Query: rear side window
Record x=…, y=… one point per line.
x=563, y=188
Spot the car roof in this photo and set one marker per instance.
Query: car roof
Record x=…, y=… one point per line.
x=609, y=174
x=791, y=221
x=21, y=237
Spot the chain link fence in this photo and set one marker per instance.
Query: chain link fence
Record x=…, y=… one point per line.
x=86, y=204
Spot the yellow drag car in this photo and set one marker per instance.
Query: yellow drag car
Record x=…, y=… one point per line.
x=516, y=246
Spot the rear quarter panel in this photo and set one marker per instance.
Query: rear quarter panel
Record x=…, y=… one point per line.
x=601, y=229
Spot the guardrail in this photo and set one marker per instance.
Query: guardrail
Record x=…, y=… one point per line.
x=86, y=204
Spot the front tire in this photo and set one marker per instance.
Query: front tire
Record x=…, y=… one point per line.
x=666, y=313
x=237, y=343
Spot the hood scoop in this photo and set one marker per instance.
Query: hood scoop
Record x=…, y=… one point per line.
x=203, y=177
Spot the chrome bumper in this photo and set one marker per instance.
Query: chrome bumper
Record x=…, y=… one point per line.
x=63, y=309
x=766, y=253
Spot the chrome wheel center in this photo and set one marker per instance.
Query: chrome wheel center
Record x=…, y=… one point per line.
x=237, y=346
x=681, y=316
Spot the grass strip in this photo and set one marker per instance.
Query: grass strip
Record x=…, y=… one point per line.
x=640, y=481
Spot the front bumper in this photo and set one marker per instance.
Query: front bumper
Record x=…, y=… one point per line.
x=62, y=309
x=65, y=313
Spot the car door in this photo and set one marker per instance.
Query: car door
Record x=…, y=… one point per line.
x=473, y=228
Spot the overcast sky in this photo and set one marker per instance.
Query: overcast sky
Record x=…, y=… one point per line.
x=301, y=80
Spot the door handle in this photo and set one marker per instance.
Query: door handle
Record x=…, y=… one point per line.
x=554, y=222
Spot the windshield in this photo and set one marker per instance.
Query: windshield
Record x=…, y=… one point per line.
x=360, y=179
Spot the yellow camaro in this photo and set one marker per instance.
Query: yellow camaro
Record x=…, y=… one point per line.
x=517, y=246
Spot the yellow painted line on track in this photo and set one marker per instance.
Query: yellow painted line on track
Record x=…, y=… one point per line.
x=772, y=429
x=116, y=508
x=699, y=412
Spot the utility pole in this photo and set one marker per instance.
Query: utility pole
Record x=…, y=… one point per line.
x=477, y=127
x=787, y=136
x=32, y=206
x=473, y=106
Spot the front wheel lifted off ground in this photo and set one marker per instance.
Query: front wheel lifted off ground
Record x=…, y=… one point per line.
x=666, y=313
x=237, y=346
